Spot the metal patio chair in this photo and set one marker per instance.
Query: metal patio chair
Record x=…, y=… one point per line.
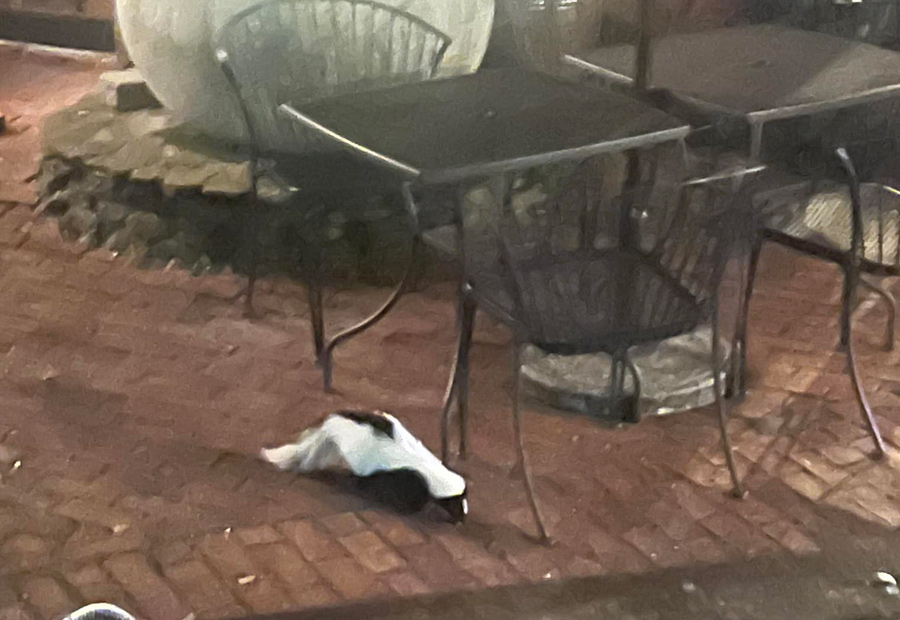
x=291, y=51
x=852, y=224
x=581, y=273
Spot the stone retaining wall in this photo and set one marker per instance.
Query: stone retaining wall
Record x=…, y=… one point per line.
x=133, y=183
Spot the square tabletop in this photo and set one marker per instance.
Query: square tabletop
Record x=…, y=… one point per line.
x=759, y=72
x=485, y=123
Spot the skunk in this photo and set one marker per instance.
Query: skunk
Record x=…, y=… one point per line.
x=389, y=462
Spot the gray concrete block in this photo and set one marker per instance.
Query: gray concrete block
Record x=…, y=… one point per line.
x=127, y=91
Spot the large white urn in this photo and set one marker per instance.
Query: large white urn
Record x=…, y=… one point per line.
x=171, y=41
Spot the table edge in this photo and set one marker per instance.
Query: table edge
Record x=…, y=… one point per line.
x=449, y=175
x=756, y=117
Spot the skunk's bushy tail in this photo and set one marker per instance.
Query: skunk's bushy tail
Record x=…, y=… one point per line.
x=285, y=457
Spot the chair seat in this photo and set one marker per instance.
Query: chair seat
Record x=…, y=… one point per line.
x=592, y=301
x=820, y=224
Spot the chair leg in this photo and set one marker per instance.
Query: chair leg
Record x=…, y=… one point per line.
x=891, y=308
x=462, y=386
x=616, y=377
x=863, y=400
x=739, y=349
x=458, y=377
x=846, y=311
x=635, y=413
x=249, y=312
x=449, y=396
x=722, y=405
x=316, y=317
x=522, y=461
x=253, y=251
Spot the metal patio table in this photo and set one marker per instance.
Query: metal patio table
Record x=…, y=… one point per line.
x=457, y=132
x=755, y=74
x=758, y=73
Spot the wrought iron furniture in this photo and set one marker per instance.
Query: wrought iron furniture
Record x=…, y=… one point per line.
x=301, y=50
x=852, y=224
x=578, y=274
x=451, y=134
x=757, y=74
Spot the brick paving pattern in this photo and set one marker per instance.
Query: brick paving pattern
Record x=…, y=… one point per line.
x=134, y=403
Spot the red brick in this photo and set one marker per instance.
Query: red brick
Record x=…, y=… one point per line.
x=317, y=595
x=87, y=574
x=370, y=551
x=613, y=554
x=533, y=562
x=877, y=502
x=94, y=542
x=705, y=550
x=343, y=524
x=842, y=455
x=804, y=483
x=662, y=550
x=155, y=598
x=8, y=596
x=435, y=567
x=690, y=500
x=581, y=567
x=259, y=535
x=350, y=579
x=393, y=529
x=737, y=532
x=172, y=553
x=15, y=612
x=675, y=522
x=48, y=597
x=287, y=563
x=25, y=552
x=91, y=512
x=314, y=544
x=95, y=586
x=231, y=561
x=407, y=584
x=791, y=538
x=820, y=467
x=203, y=590
x=475, y=560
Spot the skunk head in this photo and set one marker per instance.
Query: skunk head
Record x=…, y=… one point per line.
x=457, y=507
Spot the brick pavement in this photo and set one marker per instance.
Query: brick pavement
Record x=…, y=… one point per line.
x=134, y=403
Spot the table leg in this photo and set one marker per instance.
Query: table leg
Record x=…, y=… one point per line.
x=756, y=131
x=748, y=251
x=326, y=359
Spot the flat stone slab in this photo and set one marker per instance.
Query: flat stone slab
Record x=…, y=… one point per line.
x=676, y=375
x=144, y=145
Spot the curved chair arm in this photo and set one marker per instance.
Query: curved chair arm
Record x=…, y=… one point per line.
x=296, y=116
x=857, y=243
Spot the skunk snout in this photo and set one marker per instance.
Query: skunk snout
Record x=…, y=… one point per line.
x=456, y=507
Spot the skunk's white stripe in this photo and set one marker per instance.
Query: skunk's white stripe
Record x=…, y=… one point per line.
x=341, y=443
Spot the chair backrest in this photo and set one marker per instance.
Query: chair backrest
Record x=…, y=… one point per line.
x=289, y=51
